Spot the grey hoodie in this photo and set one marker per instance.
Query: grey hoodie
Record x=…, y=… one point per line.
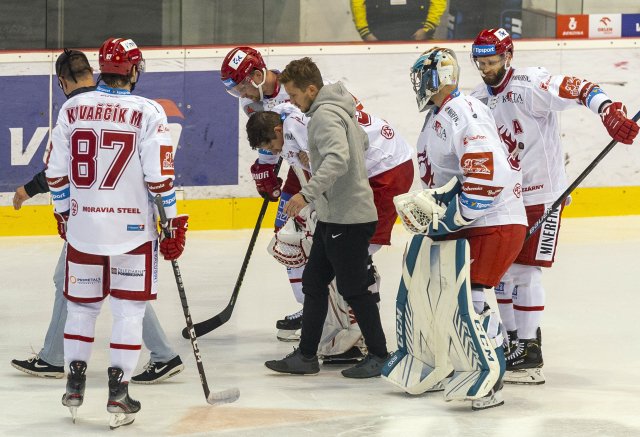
x=339, y=186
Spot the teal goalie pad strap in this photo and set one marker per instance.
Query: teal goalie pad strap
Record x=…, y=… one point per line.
x=437, y=328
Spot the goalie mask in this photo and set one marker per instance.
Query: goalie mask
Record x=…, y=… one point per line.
x=432, y=71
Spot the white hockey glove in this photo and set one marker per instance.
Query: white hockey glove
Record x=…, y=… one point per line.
x=422, y=210
x=291, y=245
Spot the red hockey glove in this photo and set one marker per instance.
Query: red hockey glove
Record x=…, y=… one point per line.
x=621, y=128
x=171, y=247
x=268, y=184
x=62, y=218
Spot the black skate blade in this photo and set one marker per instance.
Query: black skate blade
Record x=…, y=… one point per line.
x=224, y=397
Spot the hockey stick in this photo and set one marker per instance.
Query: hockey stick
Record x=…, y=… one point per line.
x=537, y=225
x=223, y=317
x=221, y=397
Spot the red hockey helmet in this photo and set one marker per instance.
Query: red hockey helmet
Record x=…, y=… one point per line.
x=238, y=65
x=492, y=42
x=119, y=56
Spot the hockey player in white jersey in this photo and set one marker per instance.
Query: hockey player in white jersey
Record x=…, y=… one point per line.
x=246, y=76
x=480, y=202
x=283, y=131
x=111, y=152
x=525, y=103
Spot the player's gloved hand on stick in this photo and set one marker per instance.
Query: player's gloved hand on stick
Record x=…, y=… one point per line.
x=452, y=220
x=62, y=218
x=621, y=128
x=268, y=184
x=171, y=247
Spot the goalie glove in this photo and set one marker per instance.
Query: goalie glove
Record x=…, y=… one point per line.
x=172, y=247
x=418, y=209
x=452, y=220
x=62, y=218
x=621, y=128
x=269, y=186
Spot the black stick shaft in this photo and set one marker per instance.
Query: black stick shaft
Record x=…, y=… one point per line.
x=183, y=300
x=537, y=225
x=221, y=318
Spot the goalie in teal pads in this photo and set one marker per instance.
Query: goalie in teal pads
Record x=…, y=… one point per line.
x=470, y=229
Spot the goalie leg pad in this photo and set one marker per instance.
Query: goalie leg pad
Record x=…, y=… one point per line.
x=341, y=331
x=413, y=366
x=437, y=328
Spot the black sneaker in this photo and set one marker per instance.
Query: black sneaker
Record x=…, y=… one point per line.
x=370, y=367
x=351, y=356
x=155, y=372
x=38, y=367
x=295, y=363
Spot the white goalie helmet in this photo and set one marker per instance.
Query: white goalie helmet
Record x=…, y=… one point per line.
x=433, y=70
x=291, y=245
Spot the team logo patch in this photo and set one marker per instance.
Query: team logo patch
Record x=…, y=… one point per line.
x=501, y=34
x=440, y=131
x=570, y=87
x=517, y=190
x=166, y=160
x=128, y=44
x=74, y=207
x=426, y=172
x=237, y=59
x=387, y=132
x=479, y=165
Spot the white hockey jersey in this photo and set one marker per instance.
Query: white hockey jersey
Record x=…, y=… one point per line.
x=387, y=149
x=461, y=140
x=111, y=151
x=525, y=109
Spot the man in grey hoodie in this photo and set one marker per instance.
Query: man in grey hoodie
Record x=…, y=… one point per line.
x=347, y=218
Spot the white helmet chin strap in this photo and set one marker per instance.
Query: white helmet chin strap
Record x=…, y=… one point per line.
x=259, y=85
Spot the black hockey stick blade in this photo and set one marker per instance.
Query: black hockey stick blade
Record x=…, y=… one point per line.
x=538, y=224
x=206, y=326
x=223, y=317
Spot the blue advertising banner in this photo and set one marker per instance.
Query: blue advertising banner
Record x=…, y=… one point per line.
x=631, y=25
x=203, y=119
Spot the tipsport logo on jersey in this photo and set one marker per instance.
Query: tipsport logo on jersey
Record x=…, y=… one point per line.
x=202, y=119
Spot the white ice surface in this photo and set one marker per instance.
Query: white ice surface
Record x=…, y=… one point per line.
x=592, y=356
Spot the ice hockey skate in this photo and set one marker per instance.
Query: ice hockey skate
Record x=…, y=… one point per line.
x=289, y=327
x=524, y=364
x=76, y=381
x=493, y=399
x=123, y=409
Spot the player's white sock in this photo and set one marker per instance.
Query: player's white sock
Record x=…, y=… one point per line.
x=528, y=302
x=79, y=331
x=504, y=295
x=126, y=334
